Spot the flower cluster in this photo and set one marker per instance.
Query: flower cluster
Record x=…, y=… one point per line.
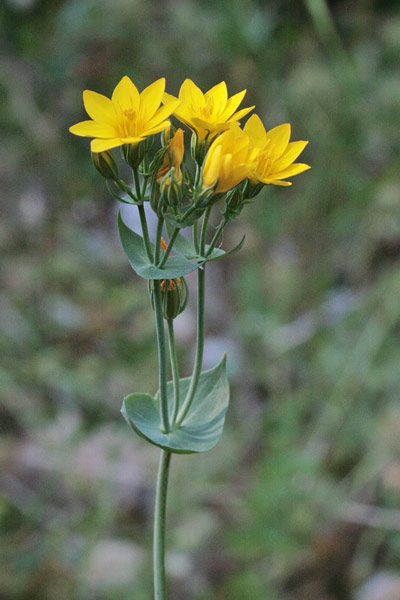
x=227, y=157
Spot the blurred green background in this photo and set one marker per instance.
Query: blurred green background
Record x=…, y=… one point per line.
x=300, y=499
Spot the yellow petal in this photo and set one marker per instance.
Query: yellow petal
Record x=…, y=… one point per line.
x=212, y=166
x=256, y=131
x=150, y=99
x=191, y=95
x=99, y=107
x=278, y=139
x=241, y=113
x=277, y=182
x=101, y=145
x=209, y=125
x=232, y=104
x=163, y=113
x=132, y=139
x=125, y=95
x=157, y=128
x=168, y=98
x=226, y=167
x=93, y=129
x=294, y=169
x=291, y=153
x=183, y=114
x=219, y=93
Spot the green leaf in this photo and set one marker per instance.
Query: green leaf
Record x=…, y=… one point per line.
x=222, y=253
x=202, y=426
x=185, y=247
x=133, y=246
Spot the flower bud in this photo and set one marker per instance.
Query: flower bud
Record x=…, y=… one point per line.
x=167, y=134
x=169, y=175
x=133, y=154
x=198, y=148
x=234, y=203
x=171, y=189
x=105, y=164
x=173, y=158
x=158, y=204
x=251, y=188
x=174, y=293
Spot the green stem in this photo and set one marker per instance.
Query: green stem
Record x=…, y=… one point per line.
x=137, y=183
x=196, y=236
x=162, y=362
x=146, y=237
x=169, y=247
x=159, y=527
x=174, y=369
x=157, y=252
x=144, y=185
x=199, y=347
x=204, y=230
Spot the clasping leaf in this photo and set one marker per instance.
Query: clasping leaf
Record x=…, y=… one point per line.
x=133, y=246
x=202, y=426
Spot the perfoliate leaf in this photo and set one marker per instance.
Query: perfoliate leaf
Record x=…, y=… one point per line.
x=202, y=426
x=133, y=246
x=187, y=222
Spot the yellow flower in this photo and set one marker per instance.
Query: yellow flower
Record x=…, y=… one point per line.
x=175, y=151
x=274, y=154
x=127, y=118
x=209, y=113
x=229, y=159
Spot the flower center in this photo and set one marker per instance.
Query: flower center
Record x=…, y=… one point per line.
x=130, y=122
x=208, y=109
x=130, y=114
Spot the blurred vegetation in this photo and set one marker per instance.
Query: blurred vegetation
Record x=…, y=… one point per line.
x=300, y=499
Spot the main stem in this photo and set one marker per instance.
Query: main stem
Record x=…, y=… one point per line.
x=159, y=527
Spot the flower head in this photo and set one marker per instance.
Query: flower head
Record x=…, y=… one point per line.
x=210, y=113
x=273, y=153
x=173, y=157
x=128, y=118
x=229, y=160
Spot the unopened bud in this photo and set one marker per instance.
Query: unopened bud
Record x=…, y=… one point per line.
x=105, y=164
x=167, y=134
x=198, y=148
x=234, y=203
x=134, y=153
x=174, y=293
x=171, y=187
x=252, y=188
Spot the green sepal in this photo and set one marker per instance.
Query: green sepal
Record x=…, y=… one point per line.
x=202, y=426
x=185, y=247
x=133, y=246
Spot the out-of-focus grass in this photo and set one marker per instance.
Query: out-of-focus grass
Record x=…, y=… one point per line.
x=309, y=310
